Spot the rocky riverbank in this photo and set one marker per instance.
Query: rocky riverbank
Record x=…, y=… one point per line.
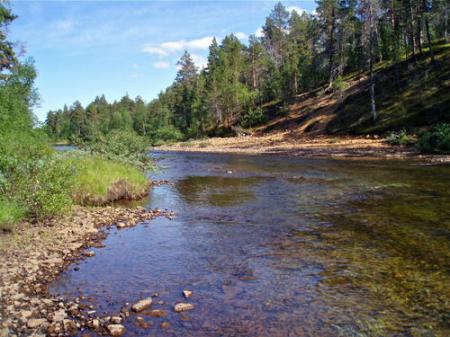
x=288, y=143
x=35, y=254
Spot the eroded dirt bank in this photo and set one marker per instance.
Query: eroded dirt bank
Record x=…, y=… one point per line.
x=35, y=254
x=288, y=143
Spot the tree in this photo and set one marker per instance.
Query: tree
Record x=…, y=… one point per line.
x=185, y=84
x=327, y=12
x=7, y=56
x=369, y=10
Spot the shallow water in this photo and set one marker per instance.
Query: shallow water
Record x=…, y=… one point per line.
x=276, y=246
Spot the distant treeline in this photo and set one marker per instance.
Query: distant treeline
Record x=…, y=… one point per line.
x=294, y=54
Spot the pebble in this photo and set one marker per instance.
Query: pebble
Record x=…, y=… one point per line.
x=29, y=268
x=183, y=307
x=95, y=324
x=156, y=313
x=116, y=330
x=142, y=304
x=35, y=323
x=165, y=325
x=187, y=293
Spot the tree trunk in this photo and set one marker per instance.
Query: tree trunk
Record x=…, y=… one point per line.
x=253, y=69
x=427, y=28
x=419, y=34
x=372, y=80
x=295, y=83
x=446, y=23
x=411, y=34
x=331, y=46
x=395, y=38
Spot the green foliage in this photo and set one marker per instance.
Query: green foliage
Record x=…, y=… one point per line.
x=167, y=133
x=10, y=213
x=100, y=181
x=339, y=84
x=122, y=146
x=436, y=140
x=399, y=138
x=31, y=175
x=253, y=117
x=295, y=53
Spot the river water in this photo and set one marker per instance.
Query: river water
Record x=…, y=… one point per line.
x=278, y=246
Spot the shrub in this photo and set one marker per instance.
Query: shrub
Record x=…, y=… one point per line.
x=124, y=146
x=436, y=140
x=33, y=176
x=167, y=133
x=399, y=138
x=10, y=213
x=254, y=116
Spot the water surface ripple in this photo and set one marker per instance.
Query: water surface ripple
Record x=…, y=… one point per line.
x=276, y=246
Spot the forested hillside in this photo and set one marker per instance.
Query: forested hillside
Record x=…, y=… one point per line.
x=359, y=54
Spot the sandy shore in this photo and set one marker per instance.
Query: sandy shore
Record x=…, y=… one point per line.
x=34, y=254
x=287, y=143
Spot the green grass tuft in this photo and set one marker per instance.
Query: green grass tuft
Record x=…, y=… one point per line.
x=100, y=181
x=10, y=214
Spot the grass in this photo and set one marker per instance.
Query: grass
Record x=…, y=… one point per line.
x=10, y=213
x=100, y=181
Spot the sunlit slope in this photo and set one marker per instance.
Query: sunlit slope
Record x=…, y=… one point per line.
x=413, y=94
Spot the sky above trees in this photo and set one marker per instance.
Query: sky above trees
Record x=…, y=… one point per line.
x=83, y=49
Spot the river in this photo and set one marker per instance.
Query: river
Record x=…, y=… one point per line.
x=280, y=246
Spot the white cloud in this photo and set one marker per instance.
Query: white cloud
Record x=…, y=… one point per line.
x=259, y=32
x=64, y=25
x=136, y=75
x=161, y=65
x=155, y=51
x=171, y=47
x=241, y=35
x=200, y=61
x=299, y=10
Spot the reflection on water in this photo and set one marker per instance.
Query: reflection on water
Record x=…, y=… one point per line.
x=275, y=246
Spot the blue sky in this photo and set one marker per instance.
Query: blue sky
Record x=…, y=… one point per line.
x=87, y=48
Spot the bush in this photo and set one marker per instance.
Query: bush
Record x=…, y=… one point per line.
x=254, y=116
x=33, y=176
x=123, y=146
x=436, y=140
x=167, y=133
x=100, y=181
x=399, y=138
x=10, y=213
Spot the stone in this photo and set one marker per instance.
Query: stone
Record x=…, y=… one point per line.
x=116, y=330
x=187, y=293
x=142, y=304
x=95, y=324
x=89, y=253
x=141, y=323
x=26, y=314
x=183, y=307
x=165, y=325
x=58, y=316
x=116, y=319
x=121, y=225
x=70, y=326
x=156, y=313
x=34, y=323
